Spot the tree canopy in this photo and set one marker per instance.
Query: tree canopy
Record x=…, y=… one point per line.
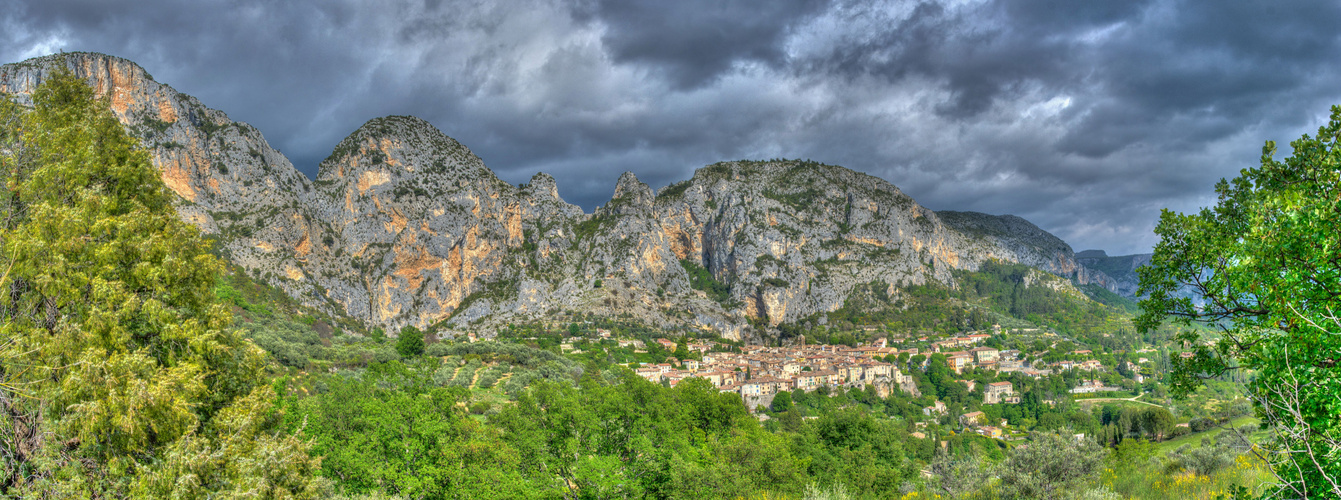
x=411, y=341
x=1266, y=264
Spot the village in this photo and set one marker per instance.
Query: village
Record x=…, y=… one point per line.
x=757, y=372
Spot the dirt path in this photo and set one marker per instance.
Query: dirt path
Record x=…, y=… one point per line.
x=1132, y=399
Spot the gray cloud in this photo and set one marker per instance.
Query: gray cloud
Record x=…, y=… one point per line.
x=692, y=42
x=1084, y=117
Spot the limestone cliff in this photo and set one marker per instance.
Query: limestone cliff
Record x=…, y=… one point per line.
x=796, y=237
x=1122, y=269
x=405, y=226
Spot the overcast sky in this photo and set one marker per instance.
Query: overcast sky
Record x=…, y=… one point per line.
x=1085, y=117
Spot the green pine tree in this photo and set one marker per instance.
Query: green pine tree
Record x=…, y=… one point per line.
x=121, y=373
x=411, y=342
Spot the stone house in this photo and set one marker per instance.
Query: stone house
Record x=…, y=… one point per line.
x=827, y=377
x=847, y=372
x=998, y=392
x=874, y=370
x=713, y=377
x=651, y=373
x=805, y=381
x=985, y=355
x=958, y=361
x=973, y=419
x=936, y=409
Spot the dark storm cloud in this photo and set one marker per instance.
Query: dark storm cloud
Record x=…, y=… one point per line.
x=1202, y=72
x=976, y=53
x=275, y=64
x=1084, y=117
x=693, y=42
x=1158, y=98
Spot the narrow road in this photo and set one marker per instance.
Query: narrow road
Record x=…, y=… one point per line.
x=1132, y=399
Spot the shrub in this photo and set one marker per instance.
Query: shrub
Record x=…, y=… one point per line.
x=466, y=375
x=1200, y=424
x=437, y=350
x=489, y=377
x=835, y=492
x=1204, y=461
x=443, y=375
x=1050, y=465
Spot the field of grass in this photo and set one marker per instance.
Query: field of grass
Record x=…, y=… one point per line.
x=1195, y=438
x=1155, y=484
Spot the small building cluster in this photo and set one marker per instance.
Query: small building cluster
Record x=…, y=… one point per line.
x=988, y=358
x=762, y=371
x=1092, y=386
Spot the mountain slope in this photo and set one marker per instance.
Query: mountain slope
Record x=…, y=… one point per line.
x=405, y=226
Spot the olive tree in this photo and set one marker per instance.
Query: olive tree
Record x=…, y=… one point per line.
x=1051, y=466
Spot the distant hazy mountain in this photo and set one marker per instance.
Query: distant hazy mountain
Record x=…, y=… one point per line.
x=1122, y=269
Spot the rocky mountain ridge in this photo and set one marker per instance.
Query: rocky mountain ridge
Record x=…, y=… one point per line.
x=406, y=226
x=1121, y=268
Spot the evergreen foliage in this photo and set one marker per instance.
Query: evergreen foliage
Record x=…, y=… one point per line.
x=1016, y=289
x=120, y=373
x=411, y=342
x=1052, y=466
x=392, y=430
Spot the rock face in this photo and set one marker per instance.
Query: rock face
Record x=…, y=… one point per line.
x=1121, y=269
x=1030, y=245
x=794, y=238
x=405, y=226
